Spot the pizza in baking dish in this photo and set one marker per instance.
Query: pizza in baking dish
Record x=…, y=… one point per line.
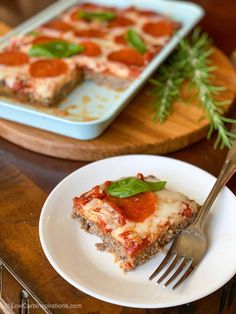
x=107, y=45
x=134, y=217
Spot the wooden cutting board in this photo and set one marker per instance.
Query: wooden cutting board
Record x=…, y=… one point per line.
x=133, y=131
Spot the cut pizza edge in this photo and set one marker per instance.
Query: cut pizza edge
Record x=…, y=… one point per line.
x=135, y=228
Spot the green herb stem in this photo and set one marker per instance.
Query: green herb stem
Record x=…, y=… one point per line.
x=191, y=62
x=166, y=91
x=199, y=72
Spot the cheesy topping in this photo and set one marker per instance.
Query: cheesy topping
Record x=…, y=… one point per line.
x=19, y=79
x=170, y=209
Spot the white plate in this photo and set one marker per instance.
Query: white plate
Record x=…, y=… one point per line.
x=82, y=119
x=72, y=253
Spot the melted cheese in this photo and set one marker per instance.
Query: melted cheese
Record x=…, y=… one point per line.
x=10, y=73
x=96, y=210
x=169, y=209
x=108, y=45
x=49, y=87
x=41, y=88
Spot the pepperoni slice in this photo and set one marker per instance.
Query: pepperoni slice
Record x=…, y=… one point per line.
x=45, y=40
x=13, y=58
x=162, y=28
x=135, y=208
x=142, y=12
x=120, y=39
x=59, y=26
x=129, y=56
x=120, y=21
x=90, y=33
x=48, y=68
x=91, y=49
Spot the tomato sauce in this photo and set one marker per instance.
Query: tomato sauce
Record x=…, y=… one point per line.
x=131, y=246
x=187, y=211
x=79, y=202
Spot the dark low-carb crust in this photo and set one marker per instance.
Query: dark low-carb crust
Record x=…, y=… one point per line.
x=30, y=98
x=114, y=246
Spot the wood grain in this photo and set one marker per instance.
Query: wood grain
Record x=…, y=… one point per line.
x=4, y=28
x=133, y=131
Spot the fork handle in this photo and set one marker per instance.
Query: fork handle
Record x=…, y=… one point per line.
x=227, y=171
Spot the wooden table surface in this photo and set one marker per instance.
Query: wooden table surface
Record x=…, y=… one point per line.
x=46, y=172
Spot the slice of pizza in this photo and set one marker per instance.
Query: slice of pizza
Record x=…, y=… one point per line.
x=35, y=79
x=134, y=216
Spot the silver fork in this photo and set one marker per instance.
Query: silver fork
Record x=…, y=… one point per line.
x=190, y=246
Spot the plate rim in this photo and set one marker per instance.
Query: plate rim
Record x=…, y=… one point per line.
x=96, y=295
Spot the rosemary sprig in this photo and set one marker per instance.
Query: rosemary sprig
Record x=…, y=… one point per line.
x=167, y=90
x=191, y=62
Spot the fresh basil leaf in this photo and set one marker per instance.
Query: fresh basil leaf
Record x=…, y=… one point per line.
x=38, y=51
x=135, y=40
x=55, y=49
x=131, y=186
x=101, y=16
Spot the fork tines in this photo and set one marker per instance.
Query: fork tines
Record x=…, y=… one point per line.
x=176, y=262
